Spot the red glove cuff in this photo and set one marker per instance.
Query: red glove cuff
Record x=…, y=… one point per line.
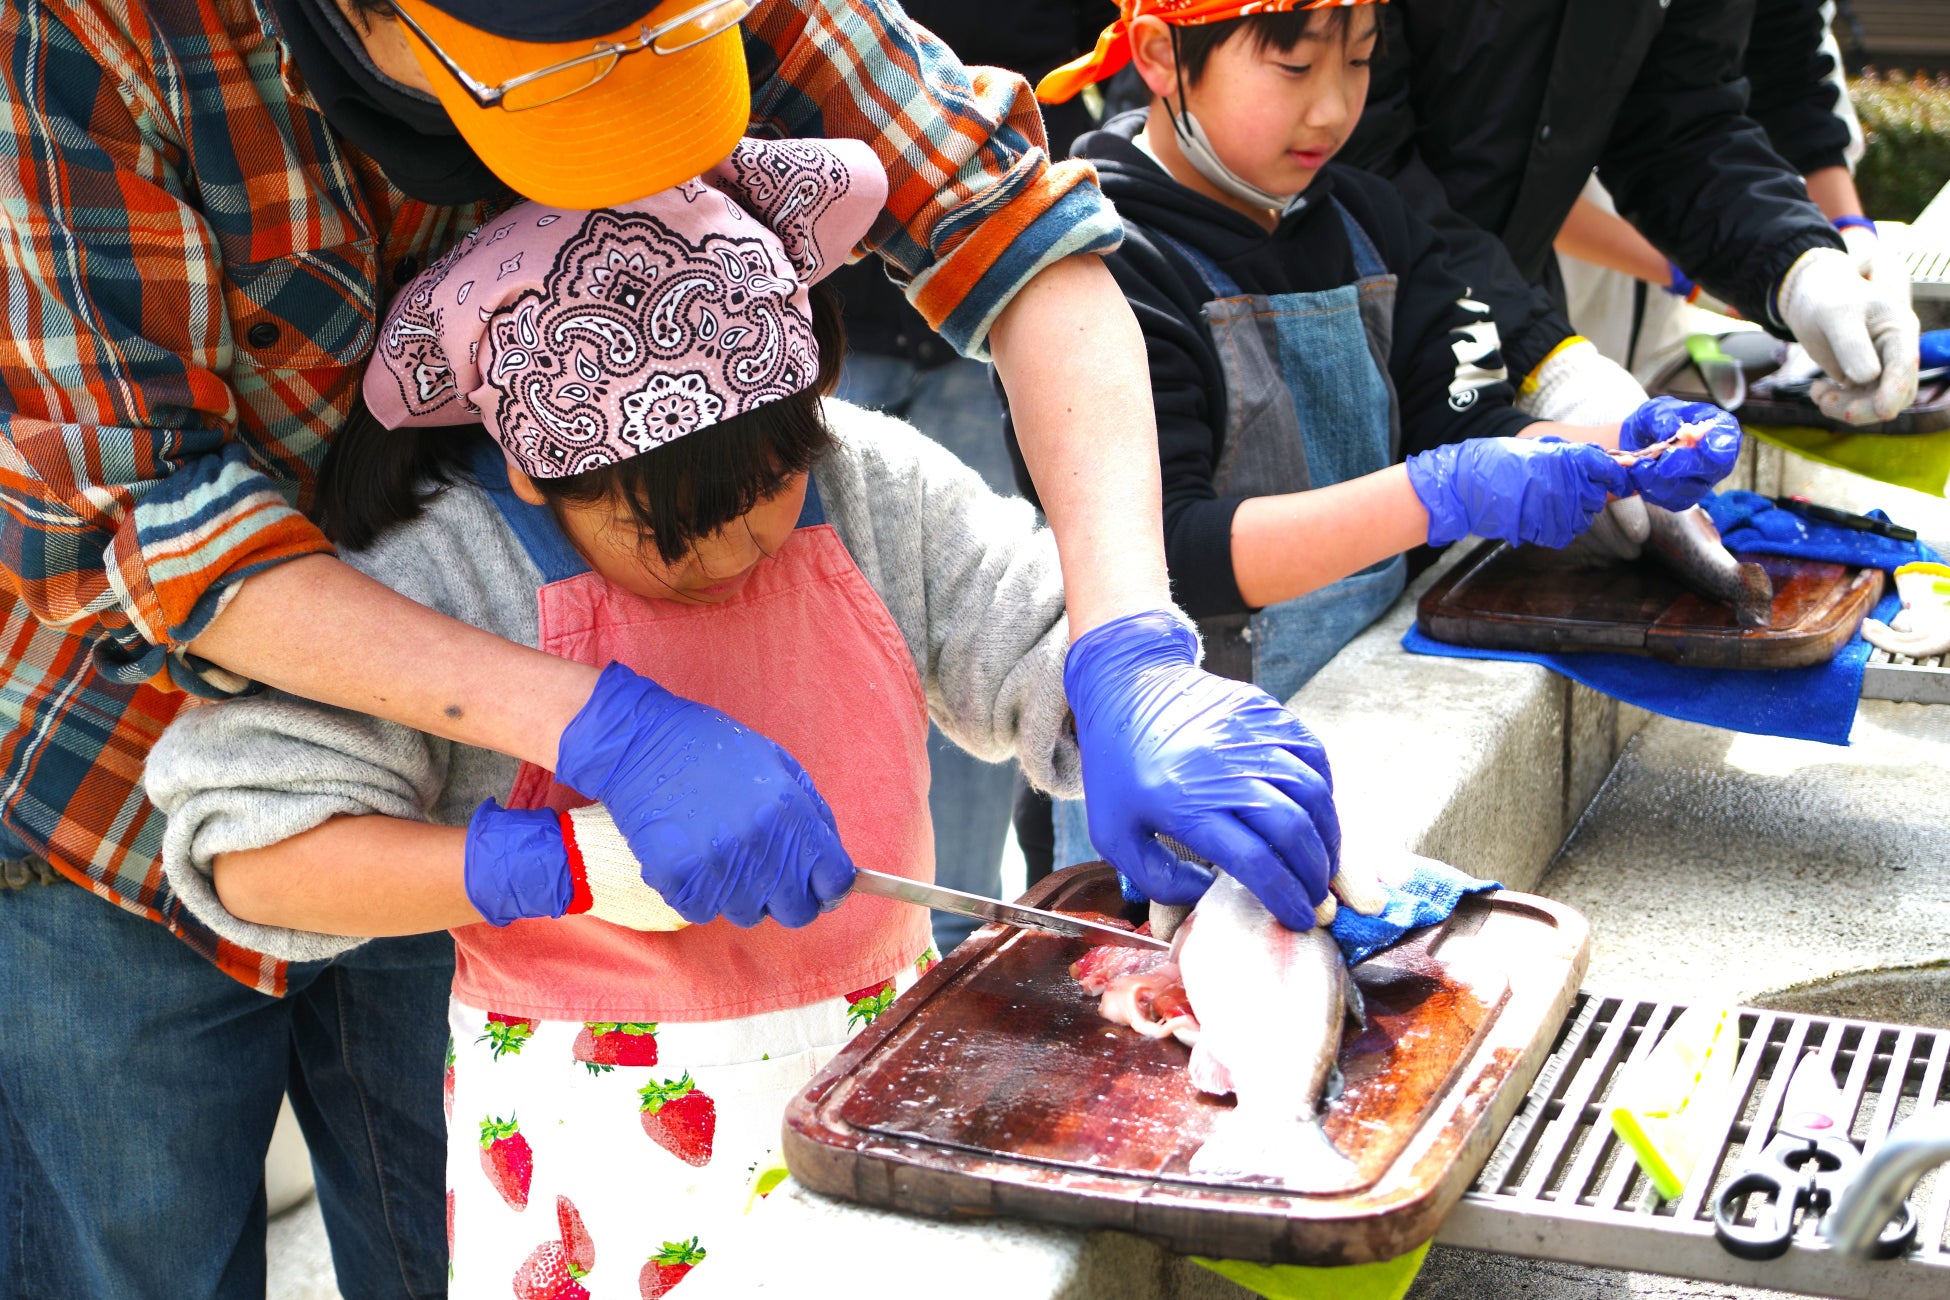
x=580, y=899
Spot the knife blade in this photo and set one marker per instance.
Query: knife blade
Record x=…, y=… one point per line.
x=1725, y=381
x=940, y=898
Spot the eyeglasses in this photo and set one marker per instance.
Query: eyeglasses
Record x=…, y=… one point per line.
x=571, y=76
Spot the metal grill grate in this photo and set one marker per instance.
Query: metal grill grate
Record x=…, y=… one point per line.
x=1560, y=1186
x=1929, y=267
x=1898, y=677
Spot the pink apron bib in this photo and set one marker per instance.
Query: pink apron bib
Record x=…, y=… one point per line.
x=806, y=654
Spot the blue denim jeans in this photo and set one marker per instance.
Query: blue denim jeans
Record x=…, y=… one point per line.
x=139, y=1086
x=968, y=799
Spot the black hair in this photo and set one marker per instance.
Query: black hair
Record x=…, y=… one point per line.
x=375, y=478
x=1195, y=42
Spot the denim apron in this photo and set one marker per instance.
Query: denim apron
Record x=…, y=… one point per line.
x=1309, y=403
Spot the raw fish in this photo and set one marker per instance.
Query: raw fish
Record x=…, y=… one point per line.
x=1269, y=1002
x=1690, y=545
x=1139, y=987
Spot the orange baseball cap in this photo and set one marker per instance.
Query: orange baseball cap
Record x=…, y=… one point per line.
x=656, y=120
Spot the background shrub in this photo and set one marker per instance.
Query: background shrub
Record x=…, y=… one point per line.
x=1906, y=122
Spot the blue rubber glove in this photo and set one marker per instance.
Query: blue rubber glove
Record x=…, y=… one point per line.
x=1530, y=491
x=517, y=866
x=1681, y=477
x=1169, y=749
x=725, y=821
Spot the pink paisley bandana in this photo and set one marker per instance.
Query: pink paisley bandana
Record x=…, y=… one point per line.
x=581, y=339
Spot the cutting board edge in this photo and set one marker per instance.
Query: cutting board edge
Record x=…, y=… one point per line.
x=853, y=1164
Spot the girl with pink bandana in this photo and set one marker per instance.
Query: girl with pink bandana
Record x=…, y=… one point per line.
x=604, y=436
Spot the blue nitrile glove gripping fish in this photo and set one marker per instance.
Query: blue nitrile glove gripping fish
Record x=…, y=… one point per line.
x=725, y=822
x=1682, y=475
x=1169, y=749
x=1527, y=491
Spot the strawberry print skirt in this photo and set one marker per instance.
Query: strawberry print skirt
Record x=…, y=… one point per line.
x=597, y=1159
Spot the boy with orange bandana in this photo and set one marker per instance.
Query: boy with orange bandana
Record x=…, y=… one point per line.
x=1329, y=394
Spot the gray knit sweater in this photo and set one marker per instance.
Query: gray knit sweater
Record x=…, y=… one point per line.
x=969, y=578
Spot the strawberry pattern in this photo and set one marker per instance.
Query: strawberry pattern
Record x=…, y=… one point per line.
x=647, y=1140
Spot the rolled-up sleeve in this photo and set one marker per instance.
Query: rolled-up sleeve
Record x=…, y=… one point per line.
x=129, y=507
x=975, y=207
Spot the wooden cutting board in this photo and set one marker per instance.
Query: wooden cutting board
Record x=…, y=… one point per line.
x=993, y=1087
x=1532, y=598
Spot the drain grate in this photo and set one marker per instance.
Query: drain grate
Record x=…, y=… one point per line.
x=1560, y=1186
x=1929, y=267
x=1914, y=681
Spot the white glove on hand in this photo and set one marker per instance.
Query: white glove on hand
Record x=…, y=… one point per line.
x=1863, y=337
x=600, y=859
x=1879, y=261
x=1922, y=629
x=1580, y=385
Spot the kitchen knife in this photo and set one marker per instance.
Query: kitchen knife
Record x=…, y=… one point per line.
x=940, y=898
x=1726, y=382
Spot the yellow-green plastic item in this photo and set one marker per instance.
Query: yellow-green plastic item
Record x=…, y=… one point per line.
x=1662, y=1105
x=1920, y=461
x=1388, y=1280
x=767, y=1174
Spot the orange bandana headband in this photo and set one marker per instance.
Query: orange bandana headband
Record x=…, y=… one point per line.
x=1114, y=46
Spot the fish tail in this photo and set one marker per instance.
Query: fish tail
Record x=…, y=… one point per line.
x=1297, y=1153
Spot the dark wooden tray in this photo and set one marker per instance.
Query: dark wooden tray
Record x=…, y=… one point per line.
x=1929, y=413
x=1532, y=598
x=994, y=1088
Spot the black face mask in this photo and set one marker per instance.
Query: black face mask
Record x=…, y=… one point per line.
x=405, y=131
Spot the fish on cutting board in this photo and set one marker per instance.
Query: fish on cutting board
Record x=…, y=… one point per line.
x=1270, y=1004
x=1691, y=547
x=1261, y=1007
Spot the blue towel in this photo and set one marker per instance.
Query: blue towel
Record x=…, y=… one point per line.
x=1750, y=522
x=1427, y=897
x=1815, y=703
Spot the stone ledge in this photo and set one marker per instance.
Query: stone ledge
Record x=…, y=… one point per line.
x=1484, y=764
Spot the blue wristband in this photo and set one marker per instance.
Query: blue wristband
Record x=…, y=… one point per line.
x=1680, y=285
x=1843, y=223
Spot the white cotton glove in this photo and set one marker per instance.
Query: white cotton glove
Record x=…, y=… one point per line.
x=1922, y=629
x=600, y=858
x=1578, y=384
x=1879, y=261
x=1862, y=335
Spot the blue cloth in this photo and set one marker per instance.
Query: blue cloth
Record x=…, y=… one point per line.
x=1816, y=703
x=1750, y=522
x=134, y=1121
x=1427, y=897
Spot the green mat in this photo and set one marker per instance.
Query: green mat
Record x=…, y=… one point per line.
x=1388, y=1280
x=1919, y=461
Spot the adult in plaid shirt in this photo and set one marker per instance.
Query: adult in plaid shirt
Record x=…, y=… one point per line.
x=204, y=206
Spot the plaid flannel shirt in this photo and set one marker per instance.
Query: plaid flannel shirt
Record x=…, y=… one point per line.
x=192, y=265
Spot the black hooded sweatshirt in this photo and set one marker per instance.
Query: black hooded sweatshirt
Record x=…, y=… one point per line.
x=1306, y=253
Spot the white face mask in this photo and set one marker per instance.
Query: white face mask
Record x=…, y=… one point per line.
x=1199, y=153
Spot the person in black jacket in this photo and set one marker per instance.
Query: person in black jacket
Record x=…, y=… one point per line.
x=1800, y=98
x=1488, y=118
x=1329, y=394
